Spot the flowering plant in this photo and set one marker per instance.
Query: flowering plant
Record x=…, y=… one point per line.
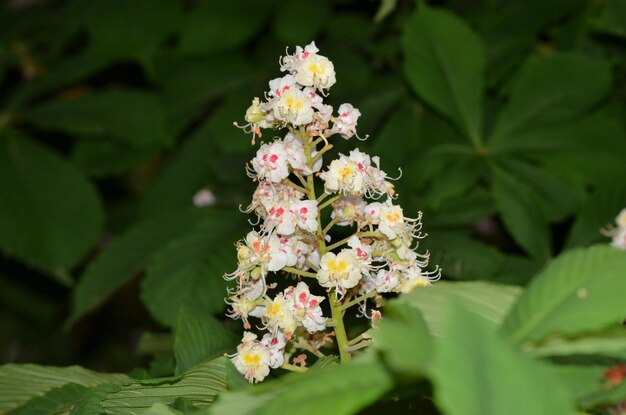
x=295, y=217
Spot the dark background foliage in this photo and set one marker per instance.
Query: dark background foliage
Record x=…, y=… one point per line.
x=114, y=113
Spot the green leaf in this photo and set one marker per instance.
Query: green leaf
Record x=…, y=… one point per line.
x=19, y=383
x=288, y=26
x=550, y=91
x=181, y=177
x=338, y=389
x=56, y=401
x=107, y=157
x=517, y=204
x=188, y=85
x=444, y=62
x=581, y=291
x=199, y=336
x=476, y=372
x=114, y=30
x=465, y=210
x=598, y=212
x=462, y=257
x=50, y=216
x=160, y=409
x=190, y=270
x=403, y=338
x=454, y=181
x=108, y=114
x=214, y=26
x=132, y=253
x=609, y=344
x=90, y=402
x=612, y=20
x=200, y=385
x=490, y=301
x=614, y=395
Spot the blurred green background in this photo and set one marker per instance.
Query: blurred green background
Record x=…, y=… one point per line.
x=115, y=113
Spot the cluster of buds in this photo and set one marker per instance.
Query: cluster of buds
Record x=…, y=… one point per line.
x=618, y=234
x=292, y=247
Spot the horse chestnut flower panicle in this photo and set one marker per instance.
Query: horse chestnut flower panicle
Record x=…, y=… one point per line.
x=292, y=247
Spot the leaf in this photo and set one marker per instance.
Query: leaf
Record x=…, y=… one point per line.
x=599, y=210
x=462, y=257
x=288, y=27
x=188, y=85
x=190, y=270
x=454, y=181
x=181, y=177
x=338, y=389
x=403, y=338
x=444, y=62
x=199, y=337
x=516, y=202
x=107, y=157
x=612, y=19
x=21, y=382
x=55, y=401
x=581, y=291
x=550, y=91
x=108, y=114
x=132, y=253
x=476, y=372
x=605, y=345
x=200, y=385
x=463, y=210
x=160, y=409
x=217, y=26
x=90, y=402
x=491, y=302
x=50, y=215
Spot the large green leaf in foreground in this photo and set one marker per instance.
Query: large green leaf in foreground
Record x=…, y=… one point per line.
x=19, y=383
x=476, y=372
x=581, y=291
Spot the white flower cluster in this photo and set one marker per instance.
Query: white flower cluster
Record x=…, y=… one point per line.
x=292, y=241
x=618, y=234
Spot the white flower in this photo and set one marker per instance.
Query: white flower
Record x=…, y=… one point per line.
x=241, y=307
x=275, y=346
x=307, y=307
x=269, y=194
x=279, y=315
x=204, y=197
x=343, y=176
x=294, y=107
x=252, y=359
x=306, y=214
x=363, y=253
x=372, y=212
x=316, y=71
x=391, y=221
x=297, y=158
x=279, y=85
x=619, y=238
x=292, y=62
x=346, y=121
x=271, y=162
x=386, y=280
x=348, y=209
x=339, y=270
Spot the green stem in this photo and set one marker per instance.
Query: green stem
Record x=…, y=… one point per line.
x=328, y=202
x=321, y=153
x=300, y=272
x=294, y=186
x=294, y=368
x=358, y=300
x=329, y=226
x=364, y=335
x=335, y=306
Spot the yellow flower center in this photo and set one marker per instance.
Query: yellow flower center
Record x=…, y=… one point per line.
x=273, y=309
x=393, y=217
x=293, y=104
x=251, y=359
x=316, y=69
x=337, y=267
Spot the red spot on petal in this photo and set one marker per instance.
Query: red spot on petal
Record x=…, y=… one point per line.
x=273, y=158
x=304, y=210
x=302, y=298
x=313, y=303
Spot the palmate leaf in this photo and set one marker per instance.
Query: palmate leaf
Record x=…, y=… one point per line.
x=134, y=251
x=199, y=336
x=20, y=383
x=50, y=215
x=190, y=270
x=445, y=62
x=337, y=389
x=56, y=401
x=550, y=91
x=579, y=292
x=108, y=114
x=517, y=202
x=491, y=302
x=476, y=372
x=200, y=385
